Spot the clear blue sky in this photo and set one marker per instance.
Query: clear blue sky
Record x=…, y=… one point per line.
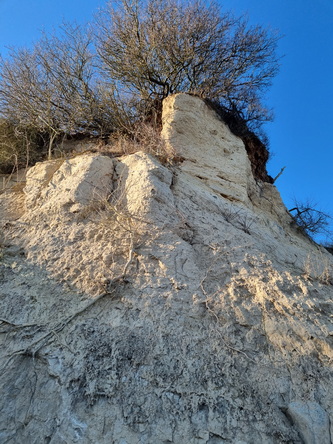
x=301, y=96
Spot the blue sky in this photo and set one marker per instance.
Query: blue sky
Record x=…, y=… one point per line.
x=301, y=95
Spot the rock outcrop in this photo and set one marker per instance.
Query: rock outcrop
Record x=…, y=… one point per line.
x=145, y=303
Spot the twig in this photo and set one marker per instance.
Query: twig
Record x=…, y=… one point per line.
x=5, y=321
x=276, y=178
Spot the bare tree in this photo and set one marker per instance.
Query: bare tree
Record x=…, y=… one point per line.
x=153, y=48
x=19, y=145
x=311, y=220
x=54, y=87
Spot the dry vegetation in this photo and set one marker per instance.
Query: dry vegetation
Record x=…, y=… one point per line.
x=78, y=82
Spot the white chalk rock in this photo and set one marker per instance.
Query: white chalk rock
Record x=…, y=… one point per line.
x=212, y=153
x=69, y=184
x=145, y=186
x=188, y=310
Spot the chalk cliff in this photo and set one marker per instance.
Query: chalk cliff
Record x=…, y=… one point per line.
x=150, y=303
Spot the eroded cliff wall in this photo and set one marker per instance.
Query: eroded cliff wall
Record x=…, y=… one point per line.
x=144, y=303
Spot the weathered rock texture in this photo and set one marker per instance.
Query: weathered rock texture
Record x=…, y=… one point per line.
x=142, y=303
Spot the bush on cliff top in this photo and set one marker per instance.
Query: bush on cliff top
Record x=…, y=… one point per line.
x=98, y=83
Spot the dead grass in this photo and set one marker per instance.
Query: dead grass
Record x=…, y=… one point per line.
x=145, y=138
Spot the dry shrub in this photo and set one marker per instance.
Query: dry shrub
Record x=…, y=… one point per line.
x=19, y=147
x=146, y=138
x=309, y=220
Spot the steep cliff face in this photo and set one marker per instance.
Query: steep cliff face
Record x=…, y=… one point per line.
x=142, y=303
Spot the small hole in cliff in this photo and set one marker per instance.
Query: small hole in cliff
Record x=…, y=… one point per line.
x=202, y=407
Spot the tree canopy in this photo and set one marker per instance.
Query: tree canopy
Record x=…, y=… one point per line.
x=153, y=48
